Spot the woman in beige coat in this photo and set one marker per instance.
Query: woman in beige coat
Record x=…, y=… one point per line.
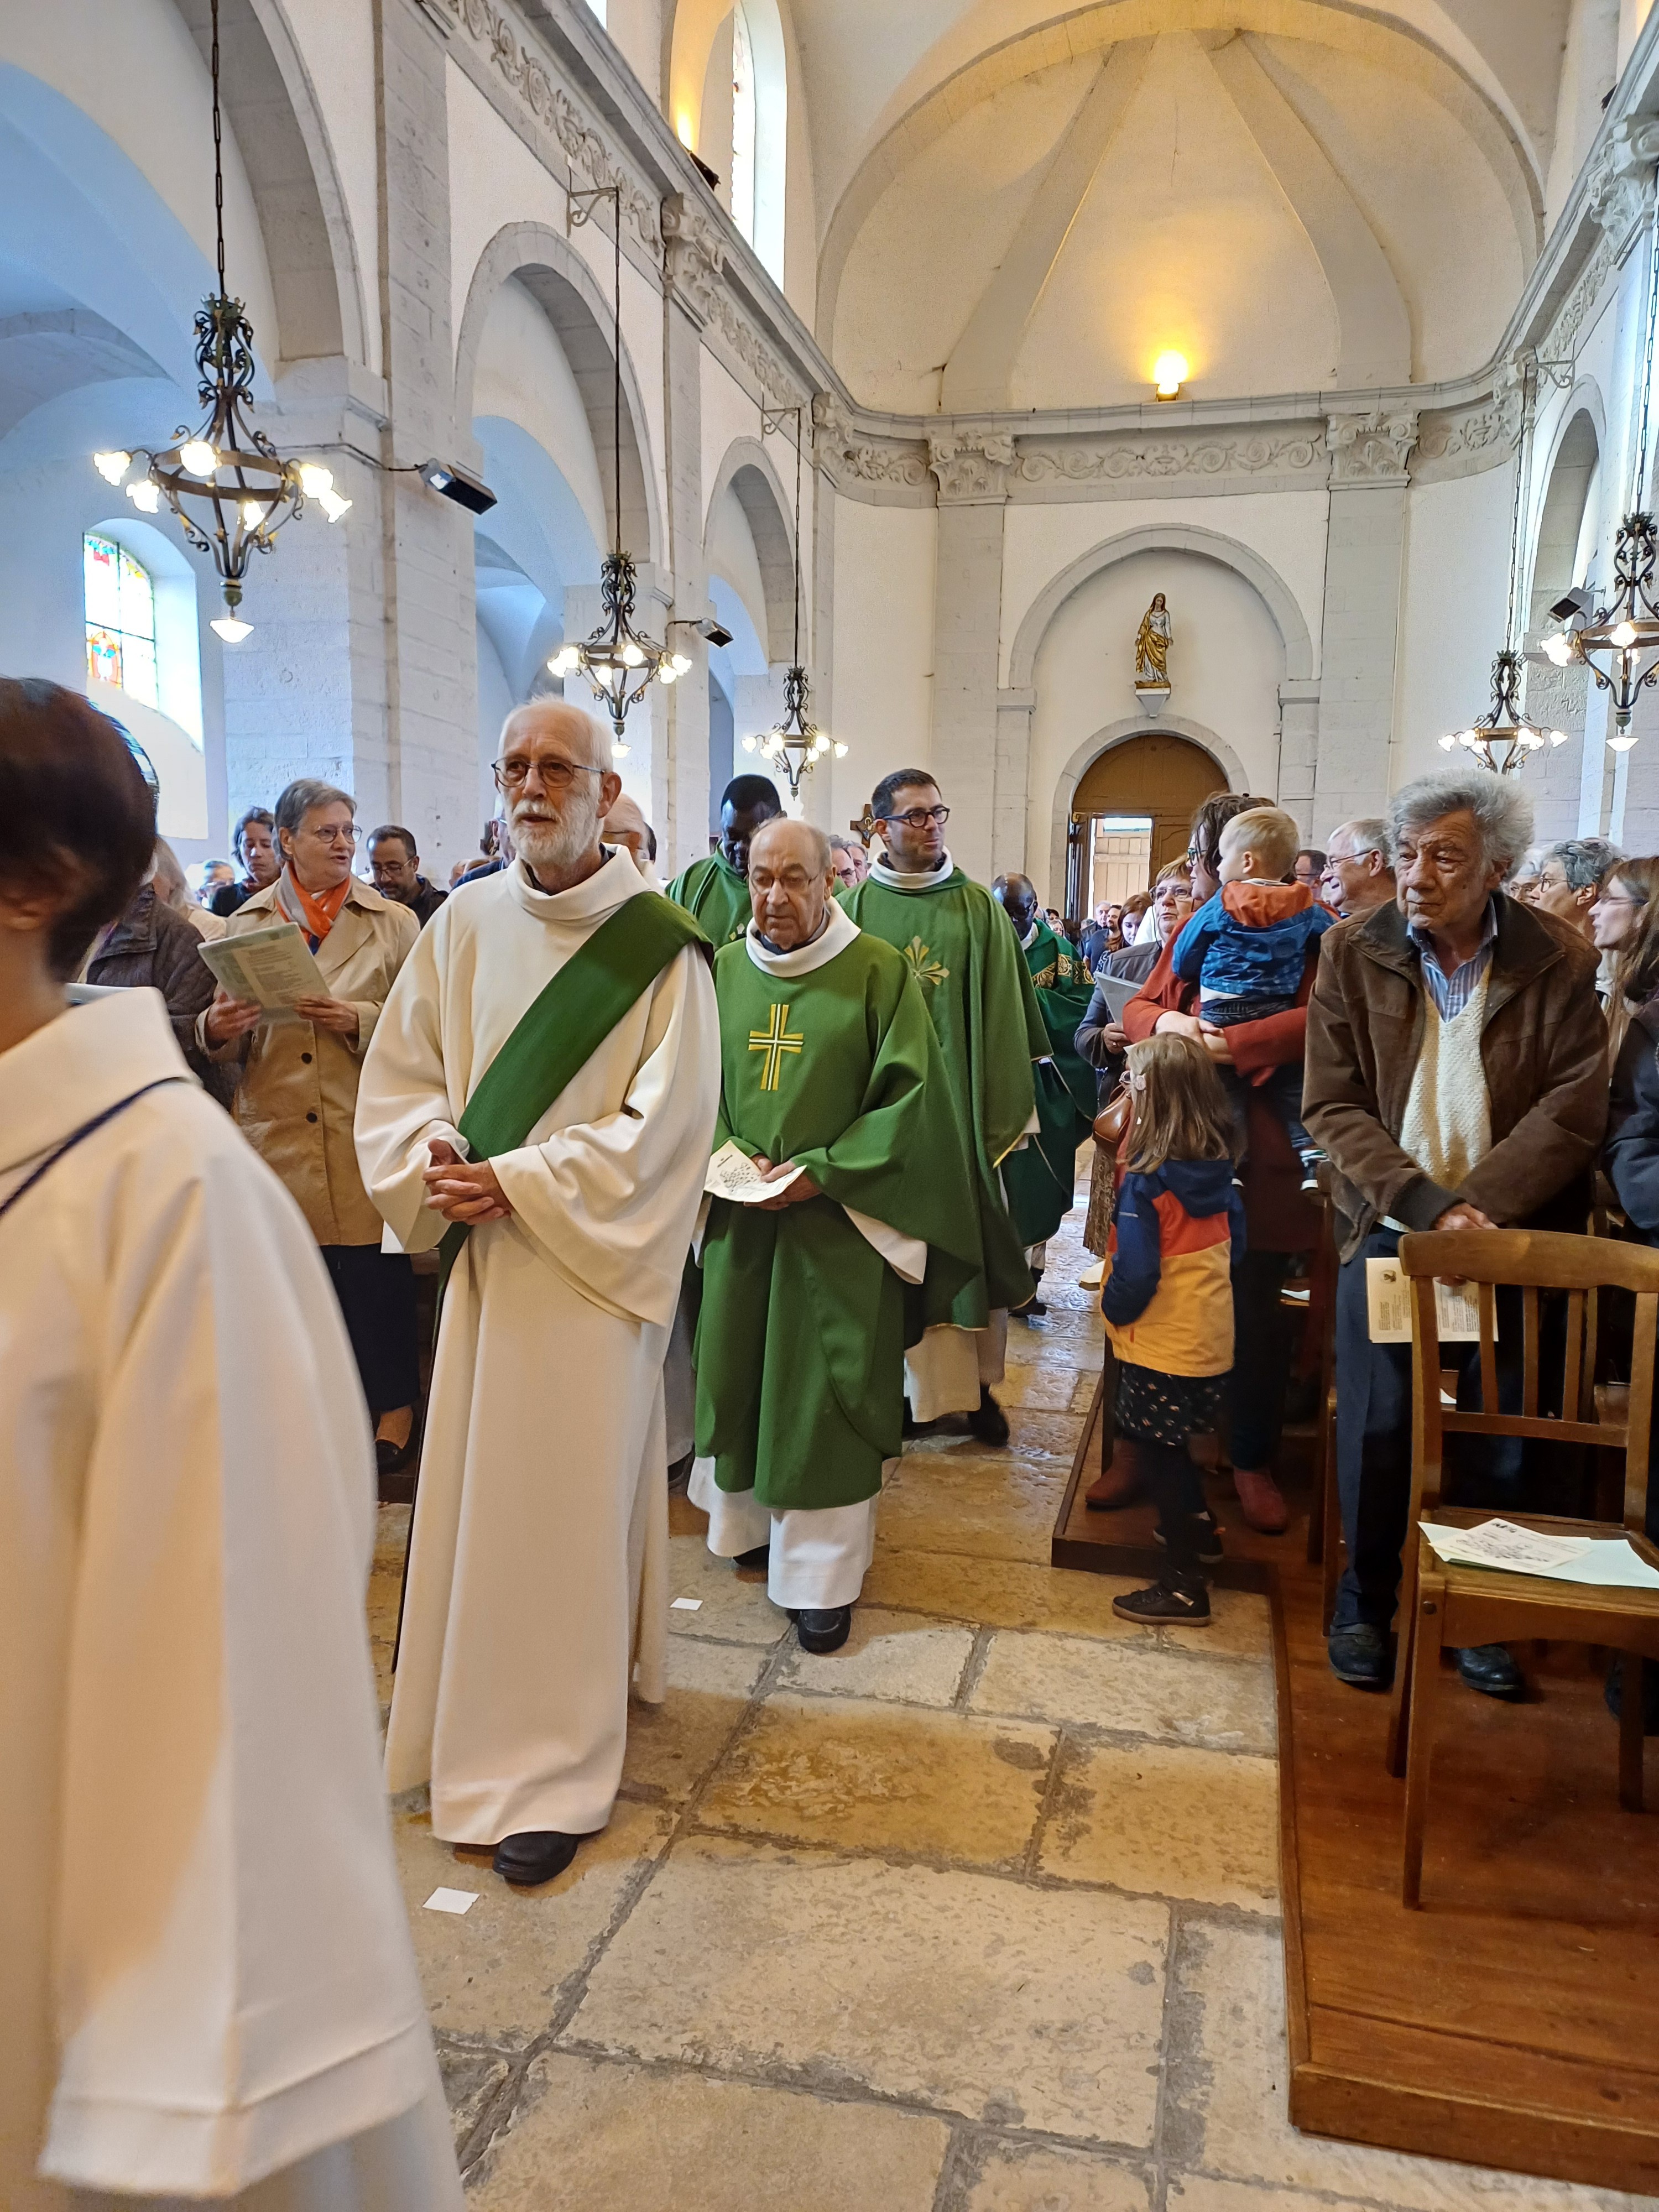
x=298, y=1094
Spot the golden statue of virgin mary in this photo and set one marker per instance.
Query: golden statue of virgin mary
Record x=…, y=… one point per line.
x=1152, y=647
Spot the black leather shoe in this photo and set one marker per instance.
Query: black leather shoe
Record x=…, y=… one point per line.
x=1489, y=1668
x=1359, y=1656
x=533, y=1856
x=826, y=1630
x=395, y=1459
x=760, y=1557
x=1208, y=1529
x=990, y=1423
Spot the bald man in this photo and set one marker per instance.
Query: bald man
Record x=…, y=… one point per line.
x=537, y=1102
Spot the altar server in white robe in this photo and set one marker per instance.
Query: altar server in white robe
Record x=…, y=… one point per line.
x=582, y=1003
x=206, y=1981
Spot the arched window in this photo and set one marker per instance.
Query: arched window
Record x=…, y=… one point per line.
x=745, y=125
x=120, y=611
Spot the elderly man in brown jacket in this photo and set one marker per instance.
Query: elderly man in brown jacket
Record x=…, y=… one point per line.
x=1457, y=1077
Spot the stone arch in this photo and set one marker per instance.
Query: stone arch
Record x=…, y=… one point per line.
x=746, y=470
x=1265, y=581
x=271, y=107
x=568, y=292
x=1106, y=740
x=1575, y=451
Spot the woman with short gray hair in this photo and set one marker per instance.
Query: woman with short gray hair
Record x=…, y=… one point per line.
x=298, y=1097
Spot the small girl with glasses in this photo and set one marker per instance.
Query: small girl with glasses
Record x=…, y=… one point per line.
x=1168, y=1301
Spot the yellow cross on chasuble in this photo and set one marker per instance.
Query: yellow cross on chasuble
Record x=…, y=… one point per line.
x=773, y=1041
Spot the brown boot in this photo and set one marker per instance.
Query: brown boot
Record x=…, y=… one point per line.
x=1119, y=1484
x=1262, y=1501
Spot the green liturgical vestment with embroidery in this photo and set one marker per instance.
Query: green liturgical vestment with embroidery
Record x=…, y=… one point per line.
x=802, y=1335
x=963, y=950
x=1041, y=1178
x=715, y=895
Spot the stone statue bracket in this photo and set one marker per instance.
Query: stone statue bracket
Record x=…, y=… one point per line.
x=1153, y=642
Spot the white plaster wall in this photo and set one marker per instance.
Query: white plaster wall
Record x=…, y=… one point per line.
x=730, y=551
x=1452, y=614
x=522, y=373
x=1225, y=666
x=1285, y=528
x=883, y=651
x=135, y=70
x=338, y=43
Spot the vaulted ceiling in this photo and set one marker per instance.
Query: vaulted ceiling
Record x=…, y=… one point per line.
x=1022, y=210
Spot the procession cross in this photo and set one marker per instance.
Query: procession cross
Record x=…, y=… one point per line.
x=773, y=1041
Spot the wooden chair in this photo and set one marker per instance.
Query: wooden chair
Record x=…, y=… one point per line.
x=1325, y=1509
x=1443, y=1607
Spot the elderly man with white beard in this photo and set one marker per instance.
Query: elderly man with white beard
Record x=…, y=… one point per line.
x=538, y=1098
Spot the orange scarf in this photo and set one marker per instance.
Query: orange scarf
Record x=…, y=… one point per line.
x=320, y=908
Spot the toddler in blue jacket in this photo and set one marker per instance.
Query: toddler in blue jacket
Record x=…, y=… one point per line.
x=1246, y=948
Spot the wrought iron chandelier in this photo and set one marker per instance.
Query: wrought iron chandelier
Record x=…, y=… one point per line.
x=227, y=484
x=619, y=661
x=795, y=745
x=1619, y=644
x=1503, y=740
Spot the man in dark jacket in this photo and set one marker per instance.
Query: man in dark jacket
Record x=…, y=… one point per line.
x=397, y=869
x=153, y=947
x=1457, y=1077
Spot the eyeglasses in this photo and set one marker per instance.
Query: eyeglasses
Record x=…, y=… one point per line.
x=334, y=836
x=555, y=774
x=917, y=817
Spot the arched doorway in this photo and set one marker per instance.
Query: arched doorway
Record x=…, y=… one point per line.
x=1130, y=814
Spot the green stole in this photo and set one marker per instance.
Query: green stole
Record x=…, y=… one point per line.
x=561, y=1029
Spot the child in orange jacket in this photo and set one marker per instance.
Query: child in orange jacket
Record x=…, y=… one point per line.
x=1168, y=1298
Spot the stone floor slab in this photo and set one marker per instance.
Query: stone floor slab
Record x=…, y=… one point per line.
x=734, y=1606
x=472, y=2080
x=1182, y=1697
x=596, y=2137
x=1167, y=1821
x=858, y=1775
x=1002, y=1594
x=1056, y=1436
x=888, y=1655
x=1027, y=2178
x=1226, y=2101
x=1008, y=2005
x=1039, y=1386
x=672, y=1746
x=992, y=1505
x=497, y=1972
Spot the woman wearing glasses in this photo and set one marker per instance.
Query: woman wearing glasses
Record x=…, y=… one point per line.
x=298, y=1095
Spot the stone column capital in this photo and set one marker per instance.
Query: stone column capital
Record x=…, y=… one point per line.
x=1621, y=184
x=1373, y=447
x=693, y=256
x=971, y=466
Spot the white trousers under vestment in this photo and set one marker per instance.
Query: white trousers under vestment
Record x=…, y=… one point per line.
x=538, y=1583
x=944, y=1373
x=679, y=1383
x=817, y=1558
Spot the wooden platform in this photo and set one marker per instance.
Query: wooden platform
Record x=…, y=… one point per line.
x=1514, y=2021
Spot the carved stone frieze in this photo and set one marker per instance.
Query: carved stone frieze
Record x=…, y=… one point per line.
x=501, y=36
x=882, y=463
x=776, y=385
x=971, y=466
x=1562, y=337
x=1620, y=186
x=1462, y=441
x=1227, y=453
x=694, y=257
x=1372, y=448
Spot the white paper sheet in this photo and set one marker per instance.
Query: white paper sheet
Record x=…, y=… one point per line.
x=732, y=1175
x=1607, y=1563
x=452, y=1901
x=271, y=967
x=1388, y=1307
x=1117, y=991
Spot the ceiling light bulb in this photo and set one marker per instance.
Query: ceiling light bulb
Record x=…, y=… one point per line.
x=112, y=466
x=618, y=751
x=332, y=505
x=749, y=745
x=1447, y=743
x=144, y=495
x=231, y=628
x=668, y=673
x=681, y=665
x=632, y=657
x=199, y=458
x=314, y=479
x=252, y=512
x=840, y=749
x=1558, y=647
x=1558, y=737
x=1169, y=374
x=1623, y=636
x=1621, y=744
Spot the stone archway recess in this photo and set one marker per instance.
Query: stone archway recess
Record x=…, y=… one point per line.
x=747, y=472
x=1163, y=773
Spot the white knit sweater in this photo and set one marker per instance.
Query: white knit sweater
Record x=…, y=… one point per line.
x=1448, y=1121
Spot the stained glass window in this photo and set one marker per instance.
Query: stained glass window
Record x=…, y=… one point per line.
x=120, y=619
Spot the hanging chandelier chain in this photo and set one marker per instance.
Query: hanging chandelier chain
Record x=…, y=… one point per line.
x=1523, y=445
x=218, y=158
x=1639, y=489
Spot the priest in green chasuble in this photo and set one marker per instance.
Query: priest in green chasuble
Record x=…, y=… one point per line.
x=832, y=1087
x=964, y=954
x=1041, y=1178
x=714, y=890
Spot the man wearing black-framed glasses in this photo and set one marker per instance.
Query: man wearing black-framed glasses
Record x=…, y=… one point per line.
x=537, y=1103
x=963, y=950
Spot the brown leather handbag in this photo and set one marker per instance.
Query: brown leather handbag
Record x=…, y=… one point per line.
x=1114, y=1117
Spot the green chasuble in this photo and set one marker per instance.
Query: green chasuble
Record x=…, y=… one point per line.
x=715, y=895
x=963, y=950
x=801, y=1341
x=1040, y=1178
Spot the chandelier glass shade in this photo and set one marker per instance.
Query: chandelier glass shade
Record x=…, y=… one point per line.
x=1620, y=643
x=228, y=485
x=1503, y=740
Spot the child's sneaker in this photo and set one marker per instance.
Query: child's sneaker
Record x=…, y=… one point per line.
x=1166, y=1601
x=1311, y=1164
x=1208, y=1530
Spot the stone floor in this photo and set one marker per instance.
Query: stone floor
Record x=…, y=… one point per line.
x=978, y=1915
